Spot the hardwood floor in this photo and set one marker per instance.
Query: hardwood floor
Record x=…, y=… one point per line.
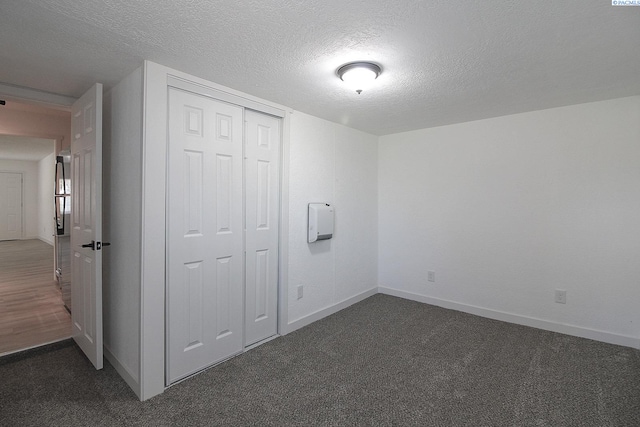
x=31, y=308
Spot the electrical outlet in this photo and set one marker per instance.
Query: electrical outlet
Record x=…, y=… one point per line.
x=431, y=276
x=300, y=291
x=561, y=296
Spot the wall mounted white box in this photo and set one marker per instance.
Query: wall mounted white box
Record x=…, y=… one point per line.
x=320, y=222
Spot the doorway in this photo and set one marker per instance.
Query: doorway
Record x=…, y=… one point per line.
x=31, y=309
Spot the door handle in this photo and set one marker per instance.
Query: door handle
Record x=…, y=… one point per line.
x=96, y=246
x=91, y=245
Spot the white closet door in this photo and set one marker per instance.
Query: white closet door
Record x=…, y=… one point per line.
x=10, y=205
x=262, y=155
x=205, y=233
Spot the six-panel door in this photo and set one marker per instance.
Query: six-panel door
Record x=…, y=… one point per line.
x=86, y=224
x=205, y=233
x=262, y=155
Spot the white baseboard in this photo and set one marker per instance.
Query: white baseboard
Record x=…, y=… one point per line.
x=577, y=331
x=45, y=240
x=123, y=371
x=328, y=311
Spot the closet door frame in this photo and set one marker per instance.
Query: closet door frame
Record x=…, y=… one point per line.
x=156, y=80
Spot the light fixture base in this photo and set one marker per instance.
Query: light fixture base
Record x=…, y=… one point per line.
x=340, y=72
x=359, y=75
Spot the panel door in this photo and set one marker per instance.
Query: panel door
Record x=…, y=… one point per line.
x=204, y=233
x=86, y=224
x=262, y=156
x=10, y=205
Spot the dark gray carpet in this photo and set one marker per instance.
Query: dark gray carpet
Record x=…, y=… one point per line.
x=384, y=361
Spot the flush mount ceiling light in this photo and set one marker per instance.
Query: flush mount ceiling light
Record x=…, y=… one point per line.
x=359, y=75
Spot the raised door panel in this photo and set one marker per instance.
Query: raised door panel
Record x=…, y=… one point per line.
x=194, y=288
x=224, y=303
x=204, y=233
x=261, y=309
x=262, y=155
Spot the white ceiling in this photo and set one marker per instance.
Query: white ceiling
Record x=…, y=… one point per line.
x=443, y=61
x=25, y=148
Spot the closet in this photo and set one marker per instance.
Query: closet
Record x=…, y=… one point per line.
x=193, y=212
x=222, y=262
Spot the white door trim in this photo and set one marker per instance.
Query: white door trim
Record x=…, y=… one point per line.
x=21, y=93
x=220, y=95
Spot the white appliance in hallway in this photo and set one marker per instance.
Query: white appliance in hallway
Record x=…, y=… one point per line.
x=11, y=206
x=222, y=231
x=62, y=200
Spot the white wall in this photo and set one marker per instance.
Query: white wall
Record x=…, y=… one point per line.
x=30, y=178
x=122, y=207
x=507, y=210
x=46, y=209
x=334, y=164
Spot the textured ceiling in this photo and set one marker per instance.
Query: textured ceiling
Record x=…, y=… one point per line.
x=443, y=61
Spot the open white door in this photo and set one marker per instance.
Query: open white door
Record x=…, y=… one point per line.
x=86, y=224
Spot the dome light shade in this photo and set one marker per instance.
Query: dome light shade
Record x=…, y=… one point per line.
x=359, y=75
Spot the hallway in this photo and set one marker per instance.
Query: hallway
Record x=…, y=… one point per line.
x=31, y=309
